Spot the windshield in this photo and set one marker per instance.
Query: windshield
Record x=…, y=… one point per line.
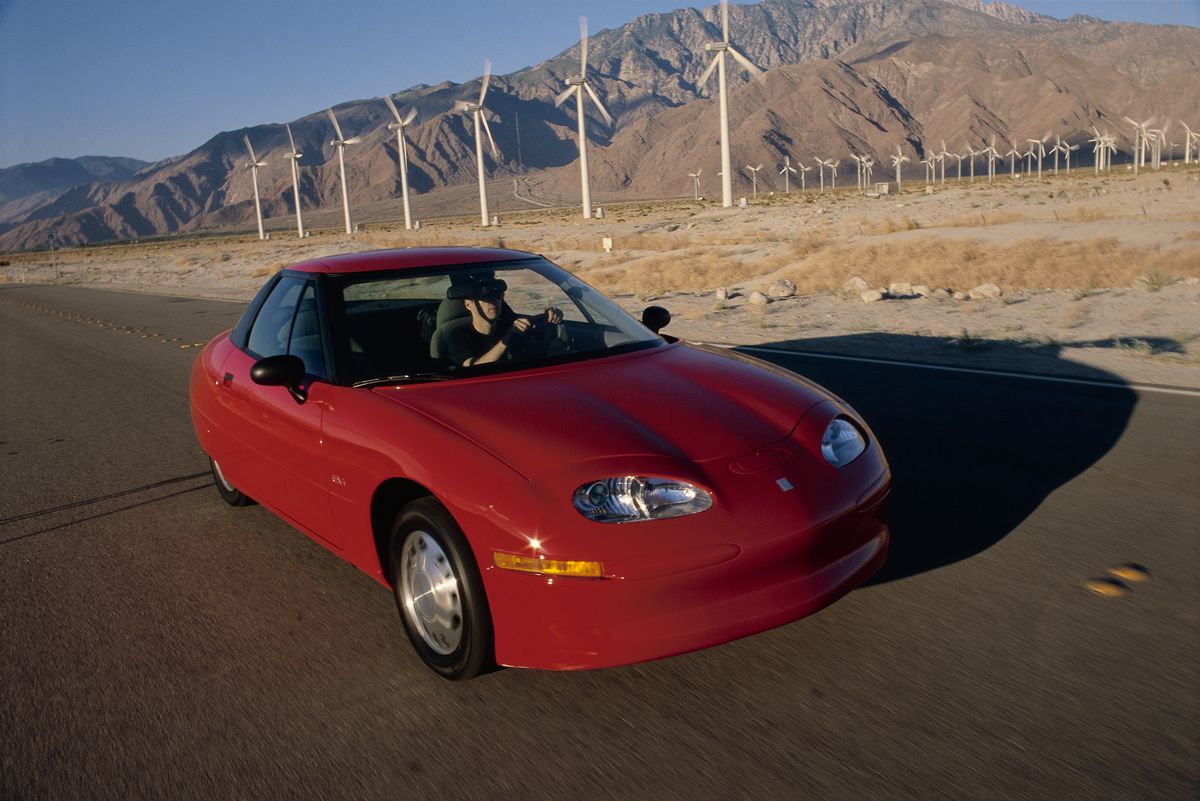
x=472, y=319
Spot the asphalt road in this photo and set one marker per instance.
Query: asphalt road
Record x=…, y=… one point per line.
x=158, y=644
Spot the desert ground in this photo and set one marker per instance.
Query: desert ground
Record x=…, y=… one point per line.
x=1090, y=275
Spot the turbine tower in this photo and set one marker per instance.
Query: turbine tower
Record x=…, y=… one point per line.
x=293, y=156
x=340, y=143
x=718, y=63
x=577, y=86
x=476, y=111
x=254, y=165
x=402, y=152
x=897, y=162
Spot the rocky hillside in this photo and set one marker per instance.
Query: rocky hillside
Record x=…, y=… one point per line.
x=843, y=74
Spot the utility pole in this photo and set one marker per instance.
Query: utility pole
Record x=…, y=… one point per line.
x=53, y=255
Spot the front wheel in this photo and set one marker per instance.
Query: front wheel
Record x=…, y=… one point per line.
x=439, y=592
x=229, y=493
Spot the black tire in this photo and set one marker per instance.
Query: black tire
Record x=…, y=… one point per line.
x=448, y=622
x=229, y=493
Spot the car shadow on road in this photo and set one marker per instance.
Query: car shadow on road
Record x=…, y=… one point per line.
x=972, y=455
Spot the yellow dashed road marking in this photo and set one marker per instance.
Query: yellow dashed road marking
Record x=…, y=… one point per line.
x=1109, y=588
x=101, y=324
x=1130, y=572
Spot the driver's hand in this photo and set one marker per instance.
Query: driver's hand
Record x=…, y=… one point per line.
x=554, y=315
x=519, y=328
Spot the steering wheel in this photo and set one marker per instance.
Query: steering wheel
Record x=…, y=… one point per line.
x=543, y=338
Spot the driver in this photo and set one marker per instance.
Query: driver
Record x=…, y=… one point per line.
x=493, y=328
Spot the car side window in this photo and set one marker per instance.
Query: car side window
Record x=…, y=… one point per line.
x=306, y=333
x=273, y=326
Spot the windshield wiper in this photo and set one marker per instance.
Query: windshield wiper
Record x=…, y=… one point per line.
x=407, y=378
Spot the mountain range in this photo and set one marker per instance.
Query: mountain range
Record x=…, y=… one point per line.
x=843, y=76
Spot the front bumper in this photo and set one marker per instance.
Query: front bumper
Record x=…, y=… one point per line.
x=716, y=596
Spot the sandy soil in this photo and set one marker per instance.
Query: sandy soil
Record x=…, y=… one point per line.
x=1100, y=276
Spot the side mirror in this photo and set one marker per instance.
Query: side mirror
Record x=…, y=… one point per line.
x=655, y=318
x=284, y=370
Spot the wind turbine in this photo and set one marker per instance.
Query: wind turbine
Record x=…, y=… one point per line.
x=1188, y=138
x=1012, y=159
x=398, y=126
x=833, y=165
x=1110, y=147
x=1158, y=140
x=754, y=177
x=1067, y=150
x=821, y=165
x=897, y=161
x=1037, y=147
x=941, y=157
x=476, y=111
x=340, y=143
x=992, y=154
x=930, y=161
x=293, y=156
x=868, y=165
x=803, y=170
x=970, y=154
x=695, y=176
x=786, y=172
x=718, y=63
x=960, y=161
x=577, y=86
x=1098, y=151
x=1139, y=142
x=858, y=164
x=254, y=165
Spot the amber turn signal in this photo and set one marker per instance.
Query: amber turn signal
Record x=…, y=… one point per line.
x=547, y=567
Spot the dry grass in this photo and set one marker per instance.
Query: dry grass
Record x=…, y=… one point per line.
x=1027, y=264
x=982, y=219
x=816, y=265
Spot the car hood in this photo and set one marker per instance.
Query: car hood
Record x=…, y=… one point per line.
x=675, y=401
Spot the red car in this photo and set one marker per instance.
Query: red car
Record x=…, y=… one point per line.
x=542, y=480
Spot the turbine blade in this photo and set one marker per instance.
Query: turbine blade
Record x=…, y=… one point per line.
x=704, y=76
x=745, y=62
x=409, y=116
x=354, y=140
x=488, y=131
x=564, y=95
x=725, y=21
x=246, y=139
x=392, y=106
x=583, y=47
x=759, y=167
x=487, y=77
x=599, y=106
x=336, y=128
x=291, y=141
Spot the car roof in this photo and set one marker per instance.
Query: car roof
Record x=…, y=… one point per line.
x=406, y=259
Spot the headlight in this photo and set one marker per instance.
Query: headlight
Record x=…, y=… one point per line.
x=628, y=499
x=842, y=442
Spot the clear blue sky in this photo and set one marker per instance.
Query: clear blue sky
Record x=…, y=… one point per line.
x=156, y=78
